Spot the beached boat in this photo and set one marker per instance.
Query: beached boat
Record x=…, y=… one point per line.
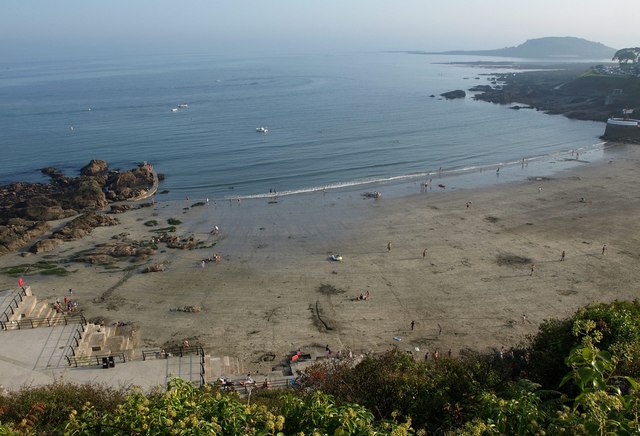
x=262, y=129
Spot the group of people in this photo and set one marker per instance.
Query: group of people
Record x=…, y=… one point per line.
x=363, y=296
x=217, y=258
x=69, y=305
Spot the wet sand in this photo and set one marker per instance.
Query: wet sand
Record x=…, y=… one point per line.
x=275, y=289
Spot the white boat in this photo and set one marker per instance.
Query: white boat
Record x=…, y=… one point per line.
x=262, y=129
x=174, y=109
x=183, y=105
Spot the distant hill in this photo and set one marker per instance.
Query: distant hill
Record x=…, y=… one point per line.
x=549, y=47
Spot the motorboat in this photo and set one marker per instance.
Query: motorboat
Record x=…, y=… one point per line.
x=262, y=129
x=183, y=105
x=174, y=109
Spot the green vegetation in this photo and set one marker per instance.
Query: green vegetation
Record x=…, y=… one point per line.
x=627, y=55
x=151, y=223
x=43, y=268
x=173, y=221
x=577, y=376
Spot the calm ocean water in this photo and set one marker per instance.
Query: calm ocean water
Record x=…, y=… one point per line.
x=333, y=121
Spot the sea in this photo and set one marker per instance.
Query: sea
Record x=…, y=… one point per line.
x=355, y=121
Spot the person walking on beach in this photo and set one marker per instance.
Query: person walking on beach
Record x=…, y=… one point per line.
x=562, y=256
x=389, y=246
x=424, y=253
x=413, y=324
x=533, y=267
x=604, y=249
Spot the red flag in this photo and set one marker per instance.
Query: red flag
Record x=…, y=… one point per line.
x=20, y=282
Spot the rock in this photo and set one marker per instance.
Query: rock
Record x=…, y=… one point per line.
x=18, y=232
x=119, y=208
x=158, y=267
x=85, y=193
x=46, y=245
x=130, y=184
x=65, y=197
x=83, y=225
x=458, y=93
x=95, y=168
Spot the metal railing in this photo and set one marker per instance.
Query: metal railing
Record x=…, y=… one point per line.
x=166, y=353
x=13, y=305
x=42, y=322
x=95, y=360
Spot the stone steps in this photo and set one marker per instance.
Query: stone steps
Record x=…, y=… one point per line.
x=225, y=366
x=100, y=340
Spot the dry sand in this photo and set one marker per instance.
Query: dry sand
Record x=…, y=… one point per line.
x=469, y=291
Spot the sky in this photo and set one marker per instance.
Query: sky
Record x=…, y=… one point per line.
x=34, y=29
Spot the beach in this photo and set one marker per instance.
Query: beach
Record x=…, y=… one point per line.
x=275, y=290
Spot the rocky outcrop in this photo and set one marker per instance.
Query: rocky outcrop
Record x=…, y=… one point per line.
x=64, y=197
x=109, y=253
x=158, y=267
x=46, y=245
x=95, y=168
x=130, y=184
x=83, y=225
x=563, y=90
x=17, y=233
x=458, y=93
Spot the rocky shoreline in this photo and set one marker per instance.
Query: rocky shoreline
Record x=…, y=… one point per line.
x=26, y=209
x=572, y=90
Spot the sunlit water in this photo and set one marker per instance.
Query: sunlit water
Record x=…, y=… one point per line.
x=333, y=122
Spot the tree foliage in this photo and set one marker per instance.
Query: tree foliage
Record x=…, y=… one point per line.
x=627, y=55
x=596, y=391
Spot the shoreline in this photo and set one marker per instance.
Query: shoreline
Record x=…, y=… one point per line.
x=469, y=290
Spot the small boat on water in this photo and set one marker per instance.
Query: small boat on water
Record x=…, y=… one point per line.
x=174, y=109
x=183, y=105
x=262, y=129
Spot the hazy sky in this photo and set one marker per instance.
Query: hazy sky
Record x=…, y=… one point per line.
x=36, y=28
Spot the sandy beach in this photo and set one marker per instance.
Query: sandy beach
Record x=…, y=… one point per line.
x=275, y=289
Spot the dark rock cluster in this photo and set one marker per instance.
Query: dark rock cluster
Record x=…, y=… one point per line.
x=567, y=90
x=451, y=95
x=25, y=208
